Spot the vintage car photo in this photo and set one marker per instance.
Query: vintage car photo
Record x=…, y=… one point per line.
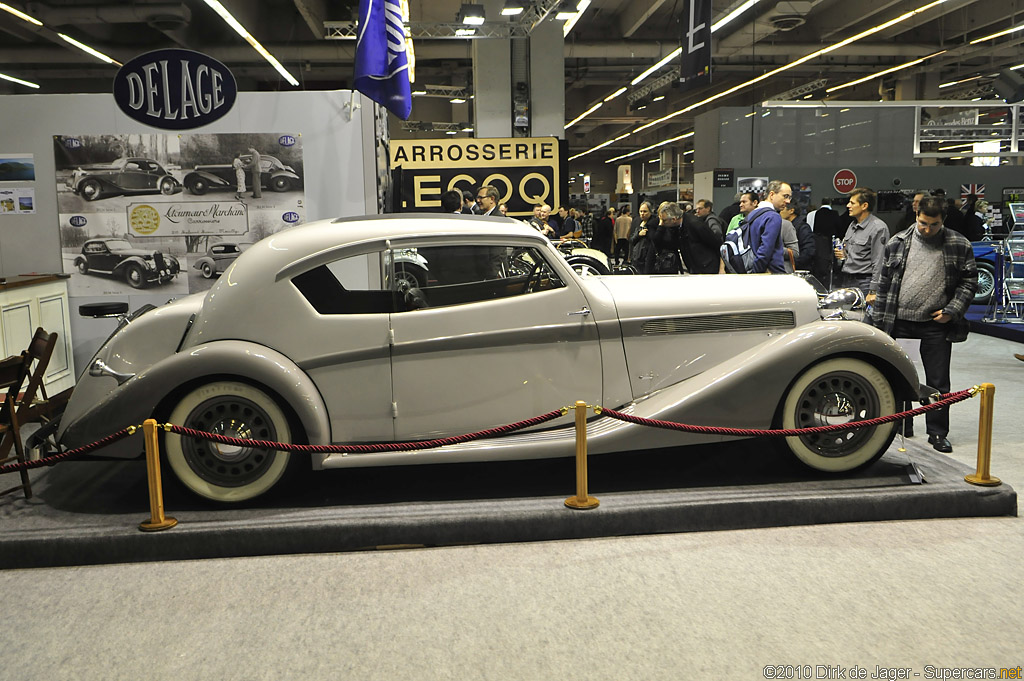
x=273, y=175
x=121, y=177
x=138, y=267
x=315, y=336
x=218, y=257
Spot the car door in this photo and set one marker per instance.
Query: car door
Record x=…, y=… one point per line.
x=499, y=334
x=135, y=176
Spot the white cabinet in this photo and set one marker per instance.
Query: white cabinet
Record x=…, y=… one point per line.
x=31, y=301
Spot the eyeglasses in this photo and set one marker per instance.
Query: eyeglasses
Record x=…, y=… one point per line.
x=481, y=197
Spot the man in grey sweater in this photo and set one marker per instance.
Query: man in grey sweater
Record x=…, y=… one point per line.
x=927, y=282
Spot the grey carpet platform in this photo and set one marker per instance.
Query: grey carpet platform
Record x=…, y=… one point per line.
x=88, y=512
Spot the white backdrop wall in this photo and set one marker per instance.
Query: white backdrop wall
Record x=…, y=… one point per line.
x=340, y=170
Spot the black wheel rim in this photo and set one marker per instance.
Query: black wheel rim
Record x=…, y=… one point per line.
x=90, y=190
x=227, y=465
x=837, y=397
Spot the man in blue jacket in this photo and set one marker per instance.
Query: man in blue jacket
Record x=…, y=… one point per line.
x=766, y=227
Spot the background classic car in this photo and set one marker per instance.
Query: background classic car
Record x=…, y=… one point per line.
x=273, y=175
x=218, y=257
x=311, y=337
x=116, y=257
x=122, y=176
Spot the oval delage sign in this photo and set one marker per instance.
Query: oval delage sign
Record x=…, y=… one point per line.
x=290, y=217
x=175, y=89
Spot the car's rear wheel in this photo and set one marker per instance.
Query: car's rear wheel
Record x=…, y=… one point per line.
x=198, y=186
x=986, y=283
x=281, y=184
x=135, y=276
x=839, y=390
x=208, y=270
x=167, y=186
x=227, y=473
x=90, y=190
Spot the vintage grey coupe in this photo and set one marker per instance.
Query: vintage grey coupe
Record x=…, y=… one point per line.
x=139, y=267
x=313, y=335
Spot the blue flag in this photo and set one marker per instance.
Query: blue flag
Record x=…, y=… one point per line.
x=382, y=66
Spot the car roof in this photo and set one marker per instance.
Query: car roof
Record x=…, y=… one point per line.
x=303, y=242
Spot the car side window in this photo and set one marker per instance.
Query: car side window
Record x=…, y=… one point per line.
x=457, y=274
x=349, y=285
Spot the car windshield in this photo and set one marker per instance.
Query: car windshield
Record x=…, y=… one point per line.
x=118, y=245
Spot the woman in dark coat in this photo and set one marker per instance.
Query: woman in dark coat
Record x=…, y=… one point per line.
x=603, y=229
x=640, y=235
x=665, y=238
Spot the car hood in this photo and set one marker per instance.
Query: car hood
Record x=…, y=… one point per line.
x=680, y=295
x=142, y=253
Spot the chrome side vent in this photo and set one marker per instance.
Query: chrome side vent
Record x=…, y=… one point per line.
x=742, y=321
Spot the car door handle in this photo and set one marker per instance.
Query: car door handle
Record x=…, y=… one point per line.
x=582, y=312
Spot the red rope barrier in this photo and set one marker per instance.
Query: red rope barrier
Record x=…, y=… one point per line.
x=950, y=398
x=365, y=449
x=50, y=460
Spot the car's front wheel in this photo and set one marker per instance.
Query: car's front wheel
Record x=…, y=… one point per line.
x=90, y=190
x=839, y=390
x=586, y=266
x=227, y=473
x=135, y=276
x=83, y=266
x=986, y=283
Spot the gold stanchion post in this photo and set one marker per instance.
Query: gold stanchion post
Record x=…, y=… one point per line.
x=581, y=501
x=982, y=477
x=156, y=521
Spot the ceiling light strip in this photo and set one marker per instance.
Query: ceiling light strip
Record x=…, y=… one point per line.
x=88, y=50
x=583, y=115
x=883, y=73
x=18, y=81
x=664, y=60
x=580, y=9
x=21, y=15
x=653, y=146
x=240, y=30
x=997, y=35
x=733, y=14
x=786, y=67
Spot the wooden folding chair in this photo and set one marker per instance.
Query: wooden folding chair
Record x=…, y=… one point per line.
x=20, y=405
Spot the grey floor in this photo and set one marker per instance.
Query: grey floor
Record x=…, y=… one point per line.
x=929, y=596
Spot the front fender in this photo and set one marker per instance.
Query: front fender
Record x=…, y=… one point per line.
x=155, y=390
x=215, y=180
x=131, y=260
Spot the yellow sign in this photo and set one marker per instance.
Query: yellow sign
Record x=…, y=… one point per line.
x=524, y=170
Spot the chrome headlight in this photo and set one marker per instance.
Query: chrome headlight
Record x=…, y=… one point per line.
x=837, y=303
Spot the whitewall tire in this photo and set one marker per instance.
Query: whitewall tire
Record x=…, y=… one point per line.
x=836, y=391
x=222, y=472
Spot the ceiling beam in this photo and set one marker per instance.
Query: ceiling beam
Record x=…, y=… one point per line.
x=636, y=15
x=313, y=12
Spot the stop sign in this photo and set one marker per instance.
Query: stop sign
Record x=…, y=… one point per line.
x=844, y=181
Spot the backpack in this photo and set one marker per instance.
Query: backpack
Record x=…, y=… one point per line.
x=737, y=255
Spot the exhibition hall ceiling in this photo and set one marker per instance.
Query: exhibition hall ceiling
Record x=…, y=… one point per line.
x=612, y=43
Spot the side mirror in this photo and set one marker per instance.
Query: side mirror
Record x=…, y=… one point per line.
x=100, y=310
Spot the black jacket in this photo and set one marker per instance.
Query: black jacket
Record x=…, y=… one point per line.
x=700, y=245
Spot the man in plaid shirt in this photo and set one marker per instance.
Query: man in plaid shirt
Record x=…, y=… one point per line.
x=928, y=281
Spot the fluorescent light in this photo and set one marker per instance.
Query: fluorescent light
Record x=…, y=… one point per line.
x=733, y=14
x=566, y=10
x=882, y=73
x=468, y=128
x=580, y=8
x=240, y=30
x=419, y=92
x=583, y=115
x=957, y=82
x=996, y=35
x=615, y=94
x=21, y=15
x=471, y=14
x=457, y=100
x=588, y=151
x=451, y=132
x=465, y=31
x=658, y=98
x=653, y=146
x=666, y=59
x=18, y=80
x=89, y=50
